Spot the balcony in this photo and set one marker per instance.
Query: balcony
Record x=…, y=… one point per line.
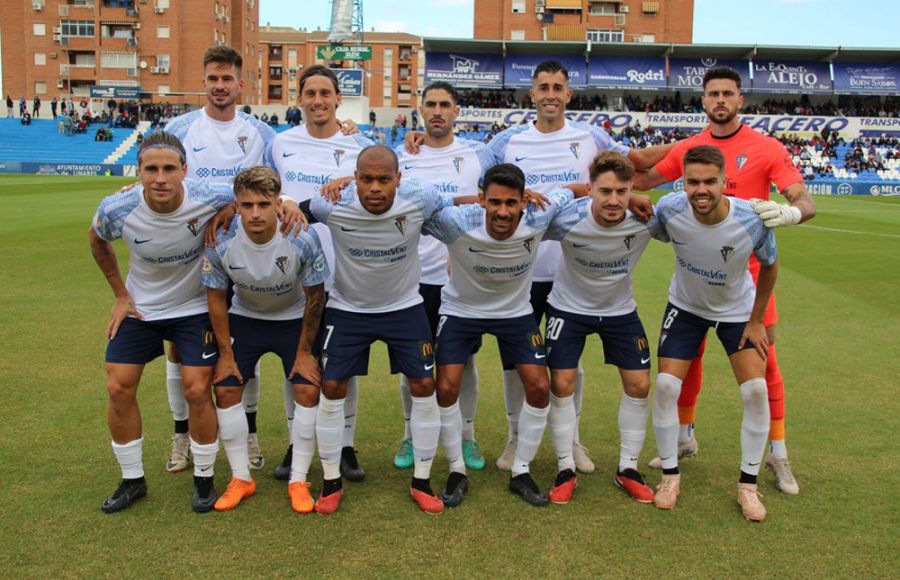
x=118, y=43
x=119, y=13
x=77, y=42
x=78, y=72
x=565, y=32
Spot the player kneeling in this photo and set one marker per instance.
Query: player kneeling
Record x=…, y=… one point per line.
x=713, y=237
x=279, y=296
x=592, y=293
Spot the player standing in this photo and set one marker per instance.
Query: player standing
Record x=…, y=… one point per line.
x=713, y=237
x=752, y=162
x=277, y=307
x=220, y=141
x=456, y=165
x=376, y=225
x=554, y=151
x=601, y=243
x=306, y=158
x=493, y=248
x=162, y=222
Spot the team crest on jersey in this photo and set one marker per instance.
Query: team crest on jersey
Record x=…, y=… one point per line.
x=242, y=143
x=400, y=222
x=194, y=225
x=629, y=241
x=281, y=262
x=529, y=243
x=726, y=252
x=575, y=148
x=458, y=163
x=741, y=160
x=339, y=156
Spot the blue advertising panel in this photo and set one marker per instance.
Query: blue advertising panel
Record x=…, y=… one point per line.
x=866, y=78
x=350, y=81
x=626, y=72
x=520, y=68
x=465, y=69
x=791, y=76
x=687, y=73
x=51, y=168
x=109, y=92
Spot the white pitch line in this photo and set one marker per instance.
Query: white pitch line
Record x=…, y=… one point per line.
x=842, y=231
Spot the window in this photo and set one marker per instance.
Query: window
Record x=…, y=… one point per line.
x=387, y=92
x=517, y=35
x=39, y=29
x=77, y=27
x=518, y=6
x=405, y=53
x=275, y=92
x=164, y=4
x=388, y=56
x=118, y=60
x=163, y=32
x=275, y=73
x=163, y=60
x=40, y=88
x=650, y=7
x=275, y=52
x=163, y=89
x=598, y=8
x=40, y=58
x=292, y=57
x=596, y=35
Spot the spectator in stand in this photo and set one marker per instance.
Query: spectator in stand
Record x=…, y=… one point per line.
x=36, y=107
x=9, y=107
x=372, y=118
x=26, y=119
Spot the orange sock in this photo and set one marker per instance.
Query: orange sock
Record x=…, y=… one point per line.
x=690, y=388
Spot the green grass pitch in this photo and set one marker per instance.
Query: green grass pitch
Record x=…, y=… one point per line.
x=840, y=321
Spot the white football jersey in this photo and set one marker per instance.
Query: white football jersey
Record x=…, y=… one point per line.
x=218, y=150
x=456, y=171
x=550, y=161
x=594, y=276
x=164, y=265
x=268, y=278
x=711, y=278
x=306, y=163
x=376, y=256
x=490, y=278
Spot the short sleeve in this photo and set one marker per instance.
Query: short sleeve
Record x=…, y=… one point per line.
x=110, y=217
x=670, y=165
x=212, y=272
x=314, y=267
x=782, y=172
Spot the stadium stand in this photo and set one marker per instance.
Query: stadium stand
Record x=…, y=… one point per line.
x=42, y=142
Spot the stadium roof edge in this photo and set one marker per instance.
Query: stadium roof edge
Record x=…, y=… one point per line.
x=735, y=51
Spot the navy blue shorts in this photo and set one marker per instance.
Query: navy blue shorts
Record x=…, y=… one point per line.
x=540, y=291
x=624, y=341
x=682, y=333
x=348, y=336
x=251, y=338
x=519, y=339
x=140, y=341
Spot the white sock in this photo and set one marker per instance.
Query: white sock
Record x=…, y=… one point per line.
x=755, y=426
x=633, y=415
x=329, y=431
x=289, y=398
x=250, y=398
x=350, y=404
x=205, y=457
x=561, y=421
x=468, y=398
x=303, y=438
x=175, y=391
x=514, y=395
x=425, y=425
x=233, y=434
x=451, y=437
x=665, y=418
x=778, y=450
x=129, y=456
x=685, y=433
x=406, y=400
x=579, y=402
x=532, y=422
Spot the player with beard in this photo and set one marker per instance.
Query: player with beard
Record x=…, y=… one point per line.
x=752, y=163
x=713, y=236
x=457, y=166
x=220, y=141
